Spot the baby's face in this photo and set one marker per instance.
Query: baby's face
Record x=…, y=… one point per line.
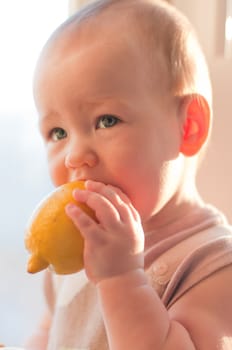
x=101, y=120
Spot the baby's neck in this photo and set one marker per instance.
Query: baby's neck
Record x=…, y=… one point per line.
x=173, y=214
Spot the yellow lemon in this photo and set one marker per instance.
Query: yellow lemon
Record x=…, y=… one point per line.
x=51, y=237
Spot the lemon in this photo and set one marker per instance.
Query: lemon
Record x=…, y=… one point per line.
x=51, y=237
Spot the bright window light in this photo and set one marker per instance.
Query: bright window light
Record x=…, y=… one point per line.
x=24, y=27
x=226, y=343
x=228, y=28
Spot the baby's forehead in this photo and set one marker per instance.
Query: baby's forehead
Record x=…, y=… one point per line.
x=101, y=65
x=125, y=36
x=109, y=27
x=102, y=54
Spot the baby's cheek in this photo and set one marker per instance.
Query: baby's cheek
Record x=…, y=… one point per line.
x=57, y=173
x=147, y=200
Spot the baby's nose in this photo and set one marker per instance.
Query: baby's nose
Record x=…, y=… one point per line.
x=77, y=158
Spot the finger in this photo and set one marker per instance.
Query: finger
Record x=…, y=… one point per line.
x=119, y=199
x=126, y=199
x=104, y=210
x=112, y=196
x=86, y=225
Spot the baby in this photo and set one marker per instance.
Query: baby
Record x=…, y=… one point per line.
x=124, y=102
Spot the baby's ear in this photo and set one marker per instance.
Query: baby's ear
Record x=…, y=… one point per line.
x=195, y=114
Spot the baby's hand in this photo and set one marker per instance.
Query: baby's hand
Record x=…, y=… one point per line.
x=115, y=244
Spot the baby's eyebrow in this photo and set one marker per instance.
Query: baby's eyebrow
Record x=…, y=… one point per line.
x=49, y=117
x=48, y=120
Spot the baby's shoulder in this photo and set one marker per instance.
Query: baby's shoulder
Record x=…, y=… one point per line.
x=207, y=307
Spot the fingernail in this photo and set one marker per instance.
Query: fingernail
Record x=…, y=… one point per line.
x=70, y=208
x=76, y=192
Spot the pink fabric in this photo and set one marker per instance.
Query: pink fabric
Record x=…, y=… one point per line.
x=198, y=245
x=195, y=258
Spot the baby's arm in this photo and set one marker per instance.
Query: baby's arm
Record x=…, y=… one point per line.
x=39, y=340
x=134, y=316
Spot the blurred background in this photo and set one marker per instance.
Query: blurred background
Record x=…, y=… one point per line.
x=24, y=27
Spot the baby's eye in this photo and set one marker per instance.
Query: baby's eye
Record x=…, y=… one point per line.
x=107, y=121
x=58, y=134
